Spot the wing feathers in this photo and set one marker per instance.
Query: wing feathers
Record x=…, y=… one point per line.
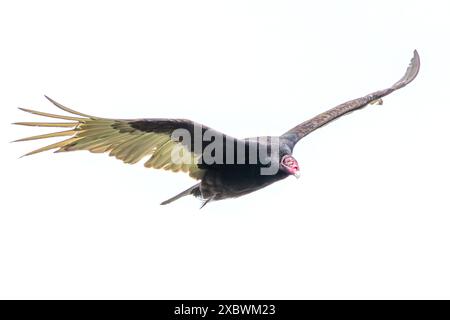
x=411, y=73
x=118, y=137
x=120, y=147
x=156, y=155
x=68, y=109
x=128, y=147
x=305, y=128
x=60, y=144
x=48, y=124
x=49, y=135
x=49, y=115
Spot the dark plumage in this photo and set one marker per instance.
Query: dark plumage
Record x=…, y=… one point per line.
x=226, y=167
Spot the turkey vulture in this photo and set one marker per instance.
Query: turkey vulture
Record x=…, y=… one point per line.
x=226, y=167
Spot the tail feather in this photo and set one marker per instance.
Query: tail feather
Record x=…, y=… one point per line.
x=187, y=192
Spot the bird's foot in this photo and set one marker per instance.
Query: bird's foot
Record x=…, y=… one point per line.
x=377, y=102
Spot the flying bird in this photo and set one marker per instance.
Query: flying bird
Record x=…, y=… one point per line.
x=225, y=167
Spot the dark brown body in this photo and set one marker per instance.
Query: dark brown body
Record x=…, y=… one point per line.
x=234, y=181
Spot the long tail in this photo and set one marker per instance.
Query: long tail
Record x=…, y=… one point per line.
x=184, y=193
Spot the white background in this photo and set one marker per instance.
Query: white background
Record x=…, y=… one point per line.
x=368, y=219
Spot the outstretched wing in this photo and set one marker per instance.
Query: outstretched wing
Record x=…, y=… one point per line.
x=127, y=140
x=303, y=129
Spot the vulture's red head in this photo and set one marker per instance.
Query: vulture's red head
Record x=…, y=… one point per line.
x=290, y=165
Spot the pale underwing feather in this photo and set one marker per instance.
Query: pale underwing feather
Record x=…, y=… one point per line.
x=118, y=137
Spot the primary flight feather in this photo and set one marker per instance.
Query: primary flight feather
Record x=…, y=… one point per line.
x=226, y=167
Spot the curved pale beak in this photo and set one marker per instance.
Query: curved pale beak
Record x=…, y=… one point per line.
x=297, y=174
